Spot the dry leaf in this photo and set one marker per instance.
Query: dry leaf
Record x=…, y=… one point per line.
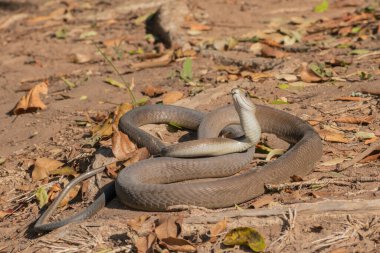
x=32, y=100
x=122, y=146
x=217, y=229
x=138, y=155
x=172, y=97
x=114, y=42
x=307, y=75
x=120, y=111
x=370, y=158
x=80, y=58
x=157, y=62
x=199, y=27
x=137, y=223
x=263, y=201
x=232, y=77
x=43, y=167
x=70, y=195
x=332, y=136
x=255, y=76
x=356, y=120
x=152, y=91
x=177, y=244
x=167, y=227
x=54, y=191
x=372, y=140
x=4, y=213
x=145, y=244
x=268, y=51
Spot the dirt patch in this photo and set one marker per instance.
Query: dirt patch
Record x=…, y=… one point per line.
x=259, y=46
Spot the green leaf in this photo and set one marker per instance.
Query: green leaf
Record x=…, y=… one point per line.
x=283, y=86
x=142, y=101
x=42, y=196
x=115, y=83
x=70, y=84
x=356, y=29
x=359, y=51
x=364, y=135
x=321, y=7
x=66, y=171
x=61, y=33
x=245, y=236
x=187, y=70
x=175, y=125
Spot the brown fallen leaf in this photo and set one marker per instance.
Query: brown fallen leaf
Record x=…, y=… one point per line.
x=171, y=97
x=307, y=75
x=80, y=58
x=138, y=155
x=5, y=213
x=152, y=91
x=217, y=229
x=199, y=27
x=157, y=62
x=145, y=244
x=177, y=244
x=122, y=146
x=167, y=227
x=332, y=136
x=370, y=158
x=120, y=111
x=255, y=76
x=372, y=140
x=114, y=42
x=271, y=52
x=356, y=120
x=137, y=223
x=262, y=201
x=43, y=167
x=32, y=100
x=55, y=190
x=232, y=77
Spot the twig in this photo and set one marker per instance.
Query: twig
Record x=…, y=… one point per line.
x=327, y=206
x=119, y=74
x=337, y=181
x=374, y=146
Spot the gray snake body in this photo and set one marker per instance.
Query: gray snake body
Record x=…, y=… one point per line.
x=151, y=184
x=154, y=184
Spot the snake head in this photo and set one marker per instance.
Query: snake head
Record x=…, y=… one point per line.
x=242, y=101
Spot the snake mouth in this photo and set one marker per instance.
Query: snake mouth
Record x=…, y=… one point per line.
x=241, y=100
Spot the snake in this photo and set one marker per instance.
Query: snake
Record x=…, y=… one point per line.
x=162, y=182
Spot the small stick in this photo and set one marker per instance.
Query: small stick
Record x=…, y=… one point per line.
x=374, y=146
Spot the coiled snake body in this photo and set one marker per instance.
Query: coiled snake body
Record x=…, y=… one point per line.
x=155, y=184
